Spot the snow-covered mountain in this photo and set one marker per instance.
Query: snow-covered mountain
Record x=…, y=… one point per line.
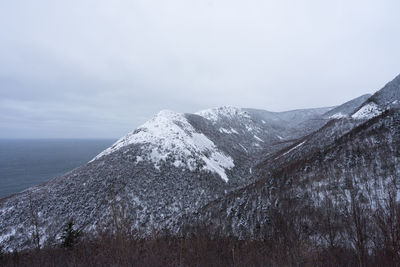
x=361, y=167
x=170, y=166
x=328, y=183
x=169, y=135
x=179, y=170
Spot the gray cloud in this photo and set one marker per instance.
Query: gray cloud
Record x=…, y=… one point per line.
x=100, y=68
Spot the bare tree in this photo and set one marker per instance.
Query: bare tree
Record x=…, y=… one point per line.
x=35, y=223
x=356, y=225
x=119, y=215
x=387, y=220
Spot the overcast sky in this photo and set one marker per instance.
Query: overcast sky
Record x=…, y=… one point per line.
x=94, y=69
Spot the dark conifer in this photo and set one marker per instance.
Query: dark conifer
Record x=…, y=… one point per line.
x=69, y=236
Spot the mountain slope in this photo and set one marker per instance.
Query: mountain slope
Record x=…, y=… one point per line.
x=387, y=97
x=346, y=109
x=361, y=165
x=237, y=171
x=321, y=181
x=295, y=123
x=170, y=166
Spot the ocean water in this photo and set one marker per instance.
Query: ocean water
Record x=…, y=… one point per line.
x=26, y=163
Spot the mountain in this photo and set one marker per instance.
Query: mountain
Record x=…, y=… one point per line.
x=361, y=166
x=236, y=172
x=170, y=166
x=338, y=185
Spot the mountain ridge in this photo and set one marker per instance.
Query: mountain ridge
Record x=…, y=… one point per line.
x=157, y=177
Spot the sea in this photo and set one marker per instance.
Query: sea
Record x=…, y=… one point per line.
x=26, y=163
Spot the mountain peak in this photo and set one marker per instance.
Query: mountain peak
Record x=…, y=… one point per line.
x=169, y=135
x=160, y=127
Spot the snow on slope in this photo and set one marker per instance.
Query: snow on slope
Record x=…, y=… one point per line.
x=338, y=115
x=290, y=150
x=367, y=111
x=345, y=110
x=382, y=100
x=170, y=136
x=228, y=112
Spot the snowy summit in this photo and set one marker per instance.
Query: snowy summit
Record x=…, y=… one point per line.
x=170, y=135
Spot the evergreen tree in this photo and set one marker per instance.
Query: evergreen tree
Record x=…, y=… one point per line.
x=69, y=236
x=1, y=253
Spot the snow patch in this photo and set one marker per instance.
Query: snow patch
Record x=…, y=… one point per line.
x=258, y=138
x=249, y=128
x=215, y=114
x=217, y=163
x=368, y=111
x=338, y=115
x=223, y=130
x=299, y=145
x=227, y=131
x=290, y=150
x=243, y=147
x=234, y=131
x=178, y=164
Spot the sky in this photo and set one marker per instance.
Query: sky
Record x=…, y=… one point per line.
x=99, y=69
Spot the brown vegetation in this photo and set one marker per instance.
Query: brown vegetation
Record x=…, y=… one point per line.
x=287, y=248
